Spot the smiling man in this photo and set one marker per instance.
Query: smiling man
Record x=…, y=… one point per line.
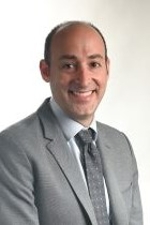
x=77, y=70
x=46, y=161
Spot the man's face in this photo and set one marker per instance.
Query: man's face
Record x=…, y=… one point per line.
x=78, y=71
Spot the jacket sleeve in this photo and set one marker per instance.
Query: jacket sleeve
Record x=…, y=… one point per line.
x=16, y=185
x=136, y=215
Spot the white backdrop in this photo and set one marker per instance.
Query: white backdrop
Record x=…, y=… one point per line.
x=125, y=24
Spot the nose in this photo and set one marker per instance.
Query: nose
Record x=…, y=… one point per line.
x=83, y=76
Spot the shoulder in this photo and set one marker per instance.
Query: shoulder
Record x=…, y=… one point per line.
x=113, y=136
x=18, y=138
x=20, y=128
x=108, y=130
x=26, y=127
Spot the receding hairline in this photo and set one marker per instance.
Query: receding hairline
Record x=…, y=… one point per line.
x=65, y=26
x=70, y=24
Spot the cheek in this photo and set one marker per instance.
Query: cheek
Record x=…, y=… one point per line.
x=103, y=79
x=64, y=81
x=59, y=86
x=101, y=82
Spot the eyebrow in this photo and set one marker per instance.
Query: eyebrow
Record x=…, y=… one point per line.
x=73, y=57
x=95, y=56
x=67, y=56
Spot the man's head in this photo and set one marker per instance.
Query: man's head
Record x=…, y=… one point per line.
x=76, y=66
x=48, y=41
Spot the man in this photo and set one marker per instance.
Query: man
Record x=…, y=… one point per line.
x=42, y=180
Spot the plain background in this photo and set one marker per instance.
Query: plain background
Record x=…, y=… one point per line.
x=126, y=27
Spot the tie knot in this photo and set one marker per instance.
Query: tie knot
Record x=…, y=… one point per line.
x=86, y=136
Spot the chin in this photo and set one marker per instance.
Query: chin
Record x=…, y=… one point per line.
x=83, y=116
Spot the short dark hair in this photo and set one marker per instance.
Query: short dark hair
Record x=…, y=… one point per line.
x=48, y=41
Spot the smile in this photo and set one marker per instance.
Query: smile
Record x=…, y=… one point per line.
x=82, y=93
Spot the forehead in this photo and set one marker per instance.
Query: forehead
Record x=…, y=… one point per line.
x=77, y=39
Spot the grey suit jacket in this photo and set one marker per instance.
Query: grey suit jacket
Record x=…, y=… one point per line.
x=41, y=184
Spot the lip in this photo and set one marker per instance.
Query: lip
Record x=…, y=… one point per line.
x=82, y=93
x=82, y=96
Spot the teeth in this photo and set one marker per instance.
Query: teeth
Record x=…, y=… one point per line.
x=87, y=93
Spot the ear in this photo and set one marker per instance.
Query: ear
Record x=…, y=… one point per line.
x=107, y=65
x=45, y=70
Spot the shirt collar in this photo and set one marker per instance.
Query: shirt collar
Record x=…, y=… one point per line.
x=69, y=126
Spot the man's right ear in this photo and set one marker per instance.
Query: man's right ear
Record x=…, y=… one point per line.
x=45, y=70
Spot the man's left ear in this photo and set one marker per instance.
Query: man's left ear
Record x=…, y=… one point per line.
x=107, y=65
x=45, y=71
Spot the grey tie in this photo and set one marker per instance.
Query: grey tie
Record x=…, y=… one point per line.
x=91, y=161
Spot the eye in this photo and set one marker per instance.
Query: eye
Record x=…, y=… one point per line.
x=68, y=66
x=95, y=64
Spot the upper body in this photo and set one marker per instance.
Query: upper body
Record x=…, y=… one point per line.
x=41, y=183
x=40, y=179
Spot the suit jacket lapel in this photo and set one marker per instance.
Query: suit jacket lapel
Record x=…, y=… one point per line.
x=118, y=211
x=58, y=147
x=70, y=168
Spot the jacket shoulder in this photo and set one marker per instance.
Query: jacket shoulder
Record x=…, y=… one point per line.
x=108, y=129
x=113, y=136
x=21, y=126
